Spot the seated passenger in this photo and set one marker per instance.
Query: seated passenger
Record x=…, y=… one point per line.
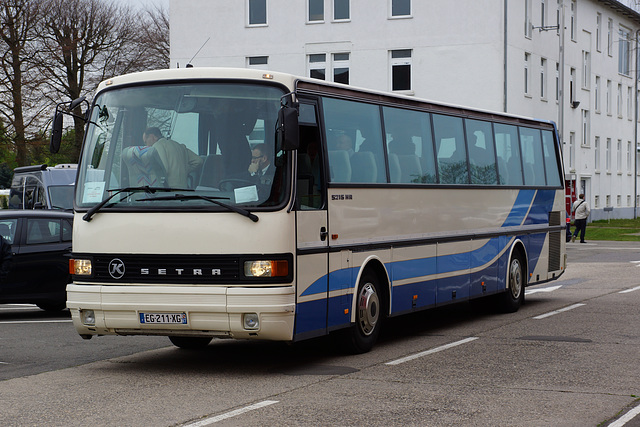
x=177, y=159
x=260, y=167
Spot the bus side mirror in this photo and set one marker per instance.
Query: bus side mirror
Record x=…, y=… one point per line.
x=288, y=133
x=56, y=133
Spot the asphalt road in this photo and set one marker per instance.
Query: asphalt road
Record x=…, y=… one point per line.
x=569, y=357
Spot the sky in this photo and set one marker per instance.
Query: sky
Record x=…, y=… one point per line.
x=144, y=3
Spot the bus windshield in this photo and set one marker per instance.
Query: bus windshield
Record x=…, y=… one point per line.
x=186, y=144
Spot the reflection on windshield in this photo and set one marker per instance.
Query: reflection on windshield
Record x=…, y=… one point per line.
x=215, y=140
x=61, y=196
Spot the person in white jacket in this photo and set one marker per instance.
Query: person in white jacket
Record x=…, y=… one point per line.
x=581, y=211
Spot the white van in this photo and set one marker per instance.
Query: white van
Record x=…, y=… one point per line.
x=43, y=187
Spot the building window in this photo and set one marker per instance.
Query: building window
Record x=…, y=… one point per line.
x=572, y=150
x=609, y=36
x=316, y=10
x=624, y=49
x=596, y=150
x=596, y=201
x=586, y=69
x=543, y=78
x=629, y=103
x=597, y=94
x=557, y=81
x=619, y=103
x=528, y=26
x=609, y=97
x=585, y=128
x=341, y=68
x=400, y=8
x=558, y=15
x=527, y=78
x=598, y=31
x=401, y=69
x=574, y=24
x=341, y=10
x=619, y=155
x=543, y=13
x=318, y=66
x=258, y=62
x=572, y=85
x=257, y=12
x=607, y=156
x=629, y=156
x=608, y=200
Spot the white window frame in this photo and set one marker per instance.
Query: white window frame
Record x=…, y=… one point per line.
x=392, y=16
x=528, y=24
x=610, y=37
x=598, y=31
x=257, y=63
x=543, y=78
x=266, y=14
x=597, y=94
x=596, y=151
x=340, y=63
x=573, y=28
x=543, y=13
x=318, y=21
x=572, y=151
x=317, y=65
x=608, y=156
x=586, y=126
x=619, y=156
x=394, y=62
x=557, y=81
x=527, y=74
x=333, y=11
x=586, y=69
x=609, y=89
x=629, y=103
x=619, y=101
x=624, y=51
x=629, y=164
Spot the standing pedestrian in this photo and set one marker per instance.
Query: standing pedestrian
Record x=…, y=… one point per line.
x=581, y=212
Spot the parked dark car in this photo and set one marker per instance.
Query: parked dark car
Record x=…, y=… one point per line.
x=39, y=268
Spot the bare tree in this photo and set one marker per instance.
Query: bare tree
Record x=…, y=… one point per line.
x=82, y=42
x=154, y=37
x=19, y=19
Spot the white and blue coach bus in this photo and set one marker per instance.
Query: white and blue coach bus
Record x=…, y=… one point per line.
x=363, y=205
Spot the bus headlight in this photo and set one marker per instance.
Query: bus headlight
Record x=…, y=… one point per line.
x=80, y=267
x=266, y=268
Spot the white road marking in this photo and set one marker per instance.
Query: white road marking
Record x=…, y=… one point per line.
x=549, y=289
x=22, y=322
x=231, y=414
x=4, y=363
x=433, y=350
x=626, y=418
x=626, y=291
x=551, y=313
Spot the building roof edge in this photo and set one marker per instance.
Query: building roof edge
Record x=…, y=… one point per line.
x=622, y=9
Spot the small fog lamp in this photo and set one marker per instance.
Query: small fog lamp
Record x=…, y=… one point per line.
x=251, y=321
x=88, y=317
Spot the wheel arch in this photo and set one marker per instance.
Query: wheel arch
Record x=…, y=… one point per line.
x=519, y=247
x=376, y=266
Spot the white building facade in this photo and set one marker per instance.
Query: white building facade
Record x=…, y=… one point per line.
x=502, y=55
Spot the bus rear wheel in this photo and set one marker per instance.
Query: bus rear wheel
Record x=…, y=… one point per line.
x=513, y=298
x=190, y=343
x=363, y=334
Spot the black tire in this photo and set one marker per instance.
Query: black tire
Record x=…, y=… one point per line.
x=190, y=343
x=363, y=334
x=513, y=297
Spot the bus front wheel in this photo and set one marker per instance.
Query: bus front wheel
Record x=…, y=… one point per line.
x=513, y=298
x=190, y=343
x=363, y=334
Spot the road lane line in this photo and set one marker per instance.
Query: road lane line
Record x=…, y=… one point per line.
x=551, y=313
x=231, y=414
x=433, y=350
x=627, y=417
x=22, y=322
x=549, y=289
x=626, y=291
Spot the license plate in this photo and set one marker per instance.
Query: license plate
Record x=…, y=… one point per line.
x=164, y=318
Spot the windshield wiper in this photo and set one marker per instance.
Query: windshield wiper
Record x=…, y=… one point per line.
x=215, y=200
x=147, y=189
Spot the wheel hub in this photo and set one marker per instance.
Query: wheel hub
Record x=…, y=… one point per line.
x=368, y=309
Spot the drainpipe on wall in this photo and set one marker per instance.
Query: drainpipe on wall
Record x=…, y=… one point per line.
x=635, y=136
x=505, y=87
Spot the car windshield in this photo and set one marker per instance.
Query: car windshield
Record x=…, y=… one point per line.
x=215, y=140
x=61, y=196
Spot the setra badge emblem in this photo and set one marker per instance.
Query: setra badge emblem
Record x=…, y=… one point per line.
x=116, y=268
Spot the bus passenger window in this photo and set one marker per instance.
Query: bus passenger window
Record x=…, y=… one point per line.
x=482, y=158
x=410, y=147
x=452, y=153
x=550, y=163
x=508, y=152
x=532, y=156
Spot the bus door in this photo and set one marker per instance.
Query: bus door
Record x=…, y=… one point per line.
x=311, y=229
